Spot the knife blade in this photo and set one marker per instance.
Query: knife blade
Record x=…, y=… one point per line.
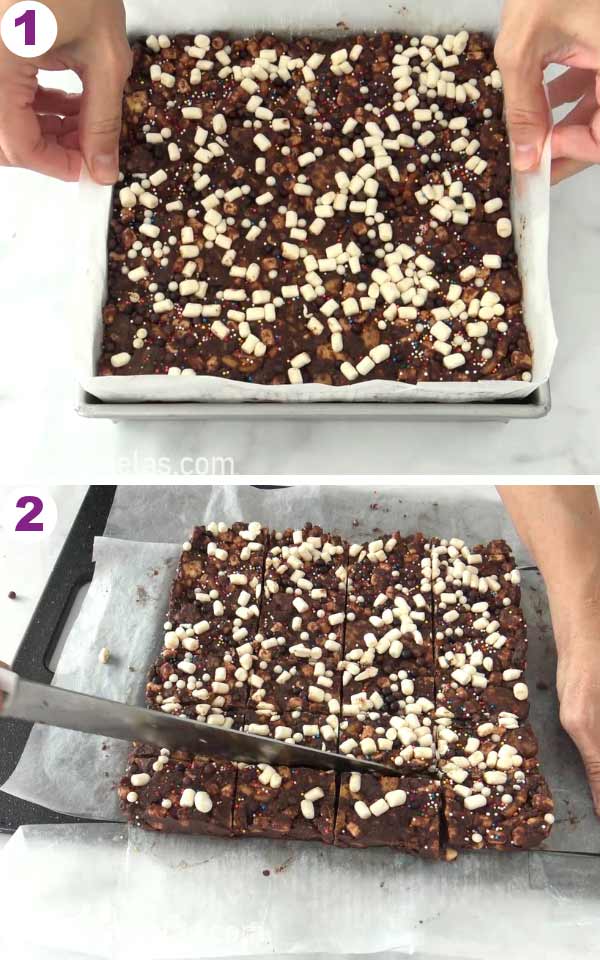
x=55, y=707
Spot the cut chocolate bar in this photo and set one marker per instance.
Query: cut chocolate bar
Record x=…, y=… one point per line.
x=403, y=742
x=389, y=812
x=479, y=632
x=388, y=657
x=177, y=792
x=219, y=577
x=298, y=648
x=213, y=617
x=388, y=608
x=289, y=803
x=189, y=683
x=494, y=793
x=405, y=652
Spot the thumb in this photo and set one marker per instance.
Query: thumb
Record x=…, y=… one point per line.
x=100, y=124
x=527, y=110
x=563, y=168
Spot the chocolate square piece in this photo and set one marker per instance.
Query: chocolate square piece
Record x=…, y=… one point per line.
x=283, y=802
x=402, y=741
x=189, y=683
x=494, y=793
x=219, y=577
x=291, y=683
x=389, y=812
x=388, y=609
x=213, y=617
x=177, y=792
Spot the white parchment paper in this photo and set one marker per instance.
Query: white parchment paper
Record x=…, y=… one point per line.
x=104, y=891
x=123, y=610
x=96, y=892
x=530, y=212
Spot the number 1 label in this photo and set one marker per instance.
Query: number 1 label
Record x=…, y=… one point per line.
x=29, y=28
x=28, y=21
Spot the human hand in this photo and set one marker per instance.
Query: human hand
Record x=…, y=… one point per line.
x=578, y=686
x=533, y=35
x=560, y=525
x=49, y=131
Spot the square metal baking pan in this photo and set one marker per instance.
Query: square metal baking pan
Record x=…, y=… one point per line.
x=534, y=407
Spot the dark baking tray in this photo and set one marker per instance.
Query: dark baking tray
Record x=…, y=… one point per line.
x=73, y=569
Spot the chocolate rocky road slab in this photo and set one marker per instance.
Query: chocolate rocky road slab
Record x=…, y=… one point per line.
x=78, y=711
x=402, y=586
x=256, y=236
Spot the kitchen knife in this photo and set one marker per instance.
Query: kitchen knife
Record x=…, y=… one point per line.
x=55, y=707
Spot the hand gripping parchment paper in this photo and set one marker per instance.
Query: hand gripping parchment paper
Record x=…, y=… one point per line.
x=530, y=206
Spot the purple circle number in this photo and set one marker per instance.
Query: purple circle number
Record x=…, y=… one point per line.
x=28, y=21
x=33, y=506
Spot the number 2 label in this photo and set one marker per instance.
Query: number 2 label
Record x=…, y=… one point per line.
x=28, y=515
x=33, y=507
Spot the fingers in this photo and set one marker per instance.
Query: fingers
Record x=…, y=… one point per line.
x=58, y=127
x=22, y=141
x=592, y=770
x=569, y=86
x=527, y=112
x=563, y=168
x=100, y=127
x=582, y=726
x=56, y=101
x=579, y=142
x=57, y=134
x=573, y=140
x=24, y=144
x=33, y=130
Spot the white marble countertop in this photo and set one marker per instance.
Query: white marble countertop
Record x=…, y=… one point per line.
x=38, y=389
